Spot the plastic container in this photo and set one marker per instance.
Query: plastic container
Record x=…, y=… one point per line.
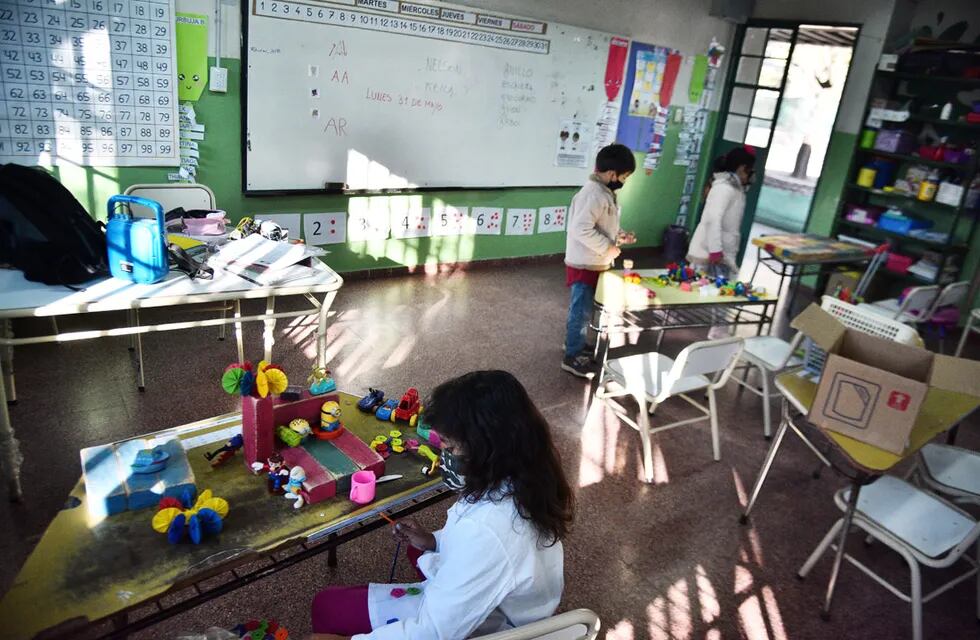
x=894, y=141
x=862, y=214
x=866, y=177
x=362, y=486
x=868, y=138
x=898, y=263
x=928, y=187
x=901, y=224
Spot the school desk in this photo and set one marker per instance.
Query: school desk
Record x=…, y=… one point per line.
x=20, y=298
x=622, y=307
x=795, y=255
x=861, y=463
x=93, y=574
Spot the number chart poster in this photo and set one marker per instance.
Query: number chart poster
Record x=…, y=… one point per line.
x=88, y=82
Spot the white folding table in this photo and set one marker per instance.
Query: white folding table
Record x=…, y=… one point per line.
x=20, y=298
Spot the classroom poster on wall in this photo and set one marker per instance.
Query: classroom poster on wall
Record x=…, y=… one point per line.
x=449, y=220
x=368, y=219
x=574, y=144
x=192, y=55
x=409, y=219
x=648, y=76
x=488, y=221
x=325, y=228
x=520, y=222
x=551, y=219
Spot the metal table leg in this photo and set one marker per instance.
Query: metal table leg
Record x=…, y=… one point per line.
x=321, y=332
x=238, y=331
x=141, y=382
x=269, y=335
x=767, y=464
x=10, y=456
x=7, y=362
x=852, y=501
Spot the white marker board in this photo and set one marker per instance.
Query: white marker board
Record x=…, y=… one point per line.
x=382, y=94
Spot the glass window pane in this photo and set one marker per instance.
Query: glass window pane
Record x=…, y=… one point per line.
x=778, y=44
x=755, y=41
x=758, y=132
x=748, y=70
x=735, y=128
x=772, y=73
x=741, y=100
x=765, y=104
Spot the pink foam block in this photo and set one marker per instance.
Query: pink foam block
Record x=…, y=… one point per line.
x=360, y=454
x=258, y=429
x=319, y=484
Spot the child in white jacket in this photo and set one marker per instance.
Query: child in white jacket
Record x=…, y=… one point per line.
x=715, y=243
x=498, y=561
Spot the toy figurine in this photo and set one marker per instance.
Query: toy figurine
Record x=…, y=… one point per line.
x=288, y=437
x=320, y=381
x=330, y=424
x=278, y=472
x=294, y=487
x=225, y=453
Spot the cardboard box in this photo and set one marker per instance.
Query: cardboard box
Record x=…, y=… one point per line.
x=873, y=389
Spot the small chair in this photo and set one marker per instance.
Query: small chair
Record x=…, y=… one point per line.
x=972, y=324
x=770, y=355
x=921, y=527
x=915, y=307
x=951, y=471
x=653, y=378
x=580, y=624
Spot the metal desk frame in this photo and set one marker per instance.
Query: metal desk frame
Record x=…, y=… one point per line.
x=796, y=271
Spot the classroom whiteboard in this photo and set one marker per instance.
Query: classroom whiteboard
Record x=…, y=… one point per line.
x=382, y=94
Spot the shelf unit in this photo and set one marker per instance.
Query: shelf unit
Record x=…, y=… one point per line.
x=959, y=223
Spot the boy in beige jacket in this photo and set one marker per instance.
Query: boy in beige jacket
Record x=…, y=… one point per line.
x=592, y=243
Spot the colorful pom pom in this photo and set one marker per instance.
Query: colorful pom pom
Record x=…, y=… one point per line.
x=231, y=380
x=168, y=502
x=175, y=533
x=277, y=380
x=261, y=384
x=247, y=384
x=163, y=518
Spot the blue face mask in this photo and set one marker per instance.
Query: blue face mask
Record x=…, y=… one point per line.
x=451, y=468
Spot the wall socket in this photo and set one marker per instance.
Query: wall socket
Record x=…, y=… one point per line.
x=218, y=80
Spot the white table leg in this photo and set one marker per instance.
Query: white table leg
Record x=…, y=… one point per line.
x=7, y=364
x=269, y=337
x=321, y=330
x=10, y=456
x=238, y=331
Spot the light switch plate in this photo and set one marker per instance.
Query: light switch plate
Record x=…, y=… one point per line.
x=218, y=80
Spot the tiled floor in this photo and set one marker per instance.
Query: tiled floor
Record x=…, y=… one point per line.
x=667, y=560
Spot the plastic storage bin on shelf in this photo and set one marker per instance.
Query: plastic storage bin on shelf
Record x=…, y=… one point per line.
x=898, y=263
x=897, y=223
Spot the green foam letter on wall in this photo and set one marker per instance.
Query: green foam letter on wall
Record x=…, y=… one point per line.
x=192, y=55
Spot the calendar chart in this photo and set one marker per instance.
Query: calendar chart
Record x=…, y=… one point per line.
x=88, y=82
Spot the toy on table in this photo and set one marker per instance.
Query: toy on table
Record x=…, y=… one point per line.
x=321, y=381
x=330, y=425
x=426, y=432
x=426, y=452
x=386, y=445
x=278, y=472
x=259, y=381
x=150, y=460
x=409, y=407
x=294, y=487
x=227, y=452
x=189, y=519
x=386, y=412
x=362, y=487
x=261, y=630
x=293, y=435
x=374, y=399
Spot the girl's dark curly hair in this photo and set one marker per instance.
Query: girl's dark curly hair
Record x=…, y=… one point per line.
x=507, y=447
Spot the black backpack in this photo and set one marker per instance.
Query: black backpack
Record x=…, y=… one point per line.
x=45, y=232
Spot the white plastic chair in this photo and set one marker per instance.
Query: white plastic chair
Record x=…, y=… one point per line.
x=972, y=324
x=580, y=624
x=921, y=527
x=652, y=378
x=950, y=471
x=771, y=356
x=914, y=308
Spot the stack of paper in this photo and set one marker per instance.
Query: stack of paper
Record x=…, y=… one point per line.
x=266, y=262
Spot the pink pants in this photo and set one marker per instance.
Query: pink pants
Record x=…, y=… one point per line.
x=344, y=610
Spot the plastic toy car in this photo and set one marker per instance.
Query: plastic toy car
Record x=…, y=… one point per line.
x=409, y=408
x=387, y=410
x=374, y=399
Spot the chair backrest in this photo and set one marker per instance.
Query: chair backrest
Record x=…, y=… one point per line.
x=918, y=301
x=704, y=358
x=866, y=321
x=952, y=294
x=580, y=624
x=171, y=196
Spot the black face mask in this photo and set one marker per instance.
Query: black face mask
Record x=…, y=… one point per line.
x=452, y=471
x=614, y=185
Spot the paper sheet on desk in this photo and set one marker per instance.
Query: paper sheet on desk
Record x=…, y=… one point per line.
x=266, y=262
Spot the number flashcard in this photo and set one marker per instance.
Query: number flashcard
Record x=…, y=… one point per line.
x=551, y=219
x=520, y=222
x=325, y=228
x=487, y=220
x=89, y=82
x=368, y=219
x=409, y=221
x=449, y=220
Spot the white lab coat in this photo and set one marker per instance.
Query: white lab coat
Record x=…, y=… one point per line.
x=488, y=573
x=721, y=221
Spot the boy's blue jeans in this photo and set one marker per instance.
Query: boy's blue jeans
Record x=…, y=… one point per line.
x=579, y=313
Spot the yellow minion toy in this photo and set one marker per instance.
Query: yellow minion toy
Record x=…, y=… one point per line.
x=330, y=425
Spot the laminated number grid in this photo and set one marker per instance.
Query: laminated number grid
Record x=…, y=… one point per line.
x=88, y=82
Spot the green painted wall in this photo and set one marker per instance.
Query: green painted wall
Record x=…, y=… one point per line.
x=649, y=202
